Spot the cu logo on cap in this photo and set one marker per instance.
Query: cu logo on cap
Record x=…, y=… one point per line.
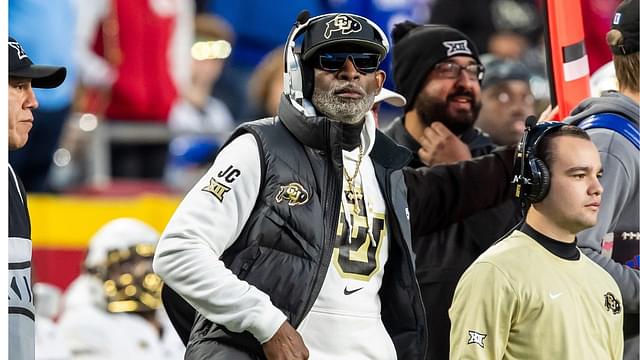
x=343, y=23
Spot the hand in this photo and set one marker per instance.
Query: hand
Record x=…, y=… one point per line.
x=548, y=114
x=441, y=146
x=286, y=344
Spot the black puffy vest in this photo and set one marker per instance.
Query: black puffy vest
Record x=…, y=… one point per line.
x=285, y=246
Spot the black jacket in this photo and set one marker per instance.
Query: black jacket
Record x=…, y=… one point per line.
x=442, y=256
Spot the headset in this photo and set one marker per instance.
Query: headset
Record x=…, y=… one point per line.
x=532, y=176
x=294, y=88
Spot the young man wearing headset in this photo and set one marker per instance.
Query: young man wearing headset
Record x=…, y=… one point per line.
x=535, y=295
x=296, y=243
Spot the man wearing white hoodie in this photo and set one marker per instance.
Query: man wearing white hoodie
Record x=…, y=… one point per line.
x=296, y=243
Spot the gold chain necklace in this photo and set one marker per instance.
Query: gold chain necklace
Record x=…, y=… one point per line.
x=354, y=194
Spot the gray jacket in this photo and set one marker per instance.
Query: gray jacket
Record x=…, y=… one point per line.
x=619, y=209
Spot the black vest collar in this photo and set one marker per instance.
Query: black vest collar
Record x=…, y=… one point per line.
x=318, y=132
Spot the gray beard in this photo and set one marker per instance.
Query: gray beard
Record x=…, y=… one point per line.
x=348, y=111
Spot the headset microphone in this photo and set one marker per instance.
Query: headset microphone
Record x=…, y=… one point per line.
x=303, y=16
x=530, y=121
x=519, y=180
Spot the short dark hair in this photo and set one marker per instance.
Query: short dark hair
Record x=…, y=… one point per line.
x=545, y=150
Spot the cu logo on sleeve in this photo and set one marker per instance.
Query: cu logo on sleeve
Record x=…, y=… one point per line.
x=611, y=303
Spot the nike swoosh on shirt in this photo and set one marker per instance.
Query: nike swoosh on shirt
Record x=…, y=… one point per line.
x=554, y=296
x=349, y=292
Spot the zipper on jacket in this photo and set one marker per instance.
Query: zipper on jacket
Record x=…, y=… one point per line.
x=407, y=255
x=332, y=193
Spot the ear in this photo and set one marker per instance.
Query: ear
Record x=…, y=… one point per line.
x=380, y=77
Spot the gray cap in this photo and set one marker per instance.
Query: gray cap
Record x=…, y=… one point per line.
x=498, y=70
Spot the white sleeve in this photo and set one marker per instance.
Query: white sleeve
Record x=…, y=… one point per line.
x=94, y=70
x=206, y=223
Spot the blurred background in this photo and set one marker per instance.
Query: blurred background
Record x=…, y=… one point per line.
x=154, y=87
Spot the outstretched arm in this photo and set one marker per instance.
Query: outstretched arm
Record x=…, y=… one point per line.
x=442, y=195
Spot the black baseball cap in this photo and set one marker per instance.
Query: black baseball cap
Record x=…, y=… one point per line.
x=42, y=76
x=338, y=29
x=625, y=20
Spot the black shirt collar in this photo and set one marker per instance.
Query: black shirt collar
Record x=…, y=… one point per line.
x=351, y=135
x=557, y=248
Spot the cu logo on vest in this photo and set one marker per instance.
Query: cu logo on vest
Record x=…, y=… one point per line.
x=294, y=193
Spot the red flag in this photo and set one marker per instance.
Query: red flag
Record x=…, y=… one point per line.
x=567, y=64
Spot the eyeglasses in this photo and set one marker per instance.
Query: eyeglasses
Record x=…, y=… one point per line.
x=364, y=62
x=452, y=70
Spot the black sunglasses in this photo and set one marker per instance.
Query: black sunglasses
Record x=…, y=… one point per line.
x=364, y=62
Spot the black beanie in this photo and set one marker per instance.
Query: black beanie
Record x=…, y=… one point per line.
x=418, y=48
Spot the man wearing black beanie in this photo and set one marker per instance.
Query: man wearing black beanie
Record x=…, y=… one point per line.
x=438, y=70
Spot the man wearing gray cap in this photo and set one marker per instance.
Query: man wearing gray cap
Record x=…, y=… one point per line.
x=506, y=101
x=23, y=77
x=296, y=243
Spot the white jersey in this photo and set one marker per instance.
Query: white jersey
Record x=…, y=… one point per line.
x=348, y=306
x=49, y=343
x=92, y=334
x=204, y=226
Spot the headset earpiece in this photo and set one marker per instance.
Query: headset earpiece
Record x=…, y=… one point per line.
x=541, y=179
x=293, y=75
x=532, y=176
